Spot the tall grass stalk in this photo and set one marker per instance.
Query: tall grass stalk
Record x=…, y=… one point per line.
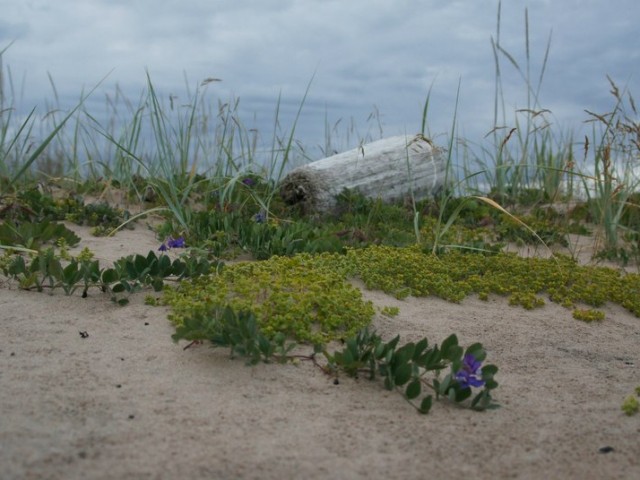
x=615, y=156
x=168, y=172
x=513, y=163
x=441, y=229
x=447, y=193
x=16, y=152
x=450, y=190
x=280, y=156
x=175, y=167
x=423, y=134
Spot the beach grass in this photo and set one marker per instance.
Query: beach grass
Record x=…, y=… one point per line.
x=179, y=159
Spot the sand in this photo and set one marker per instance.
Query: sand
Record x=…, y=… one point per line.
x=125, y=402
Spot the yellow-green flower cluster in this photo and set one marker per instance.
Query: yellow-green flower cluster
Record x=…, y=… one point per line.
x=309, y=298
x=300, y=296
x=527, y=281
x=588, y=315
x=630, y=406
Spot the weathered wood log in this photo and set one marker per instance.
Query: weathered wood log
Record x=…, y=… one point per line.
x=391, y=169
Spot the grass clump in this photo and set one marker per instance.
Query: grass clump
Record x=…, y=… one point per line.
x=33, y=206
x=549, y=231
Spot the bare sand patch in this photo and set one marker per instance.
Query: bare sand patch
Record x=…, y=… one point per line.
x=127, y=403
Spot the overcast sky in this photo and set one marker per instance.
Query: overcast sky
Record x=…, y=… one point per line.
x=362, y=55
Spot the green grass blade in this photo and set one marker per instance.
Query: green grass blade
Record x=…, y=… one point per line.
x=34, y=156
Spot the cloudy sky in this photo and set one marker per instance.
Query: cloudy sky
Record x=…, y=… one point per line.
x=361, y=56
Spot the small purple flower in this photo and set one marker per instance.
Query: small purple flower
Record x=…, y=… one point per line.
x=260, y=217
x=468, y=375
x=172, y=243
x=249, y=182
x=176, y=243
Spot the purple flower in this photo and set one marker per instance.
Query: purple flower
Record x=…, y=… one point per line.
x=176, y=243
x=260, y=217
x=468, y=375
x=172, y=243
x=249, y=182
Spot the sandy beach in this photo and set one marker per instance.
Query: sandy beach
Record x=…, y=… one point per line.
x=123, y=401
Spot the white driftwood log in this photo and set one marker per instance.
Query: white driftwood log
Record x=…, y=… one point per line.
x=391, y=169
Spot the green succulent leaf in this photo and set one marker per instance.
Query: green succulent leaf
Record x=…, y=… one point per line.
x=490, y=384
x=414, y=389
x=405, y=353
x=420, y=347
x=402, y=374
x=426, y=404
x=461, y=394
x=488, y=371
x=164, y=265
x=477, y=350
x=109, y=276
x=140, y=265
x=393, y=343
x=448, y=343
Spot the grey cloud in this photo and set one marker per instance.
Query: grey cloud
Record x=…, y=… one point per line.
x=363, y=53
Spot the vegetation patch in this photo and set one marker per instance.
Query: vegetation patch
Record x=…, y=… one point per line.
x=300, y=296
x=527, y=281
x=33, y=206
x=35, y=235
x=308, y=297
